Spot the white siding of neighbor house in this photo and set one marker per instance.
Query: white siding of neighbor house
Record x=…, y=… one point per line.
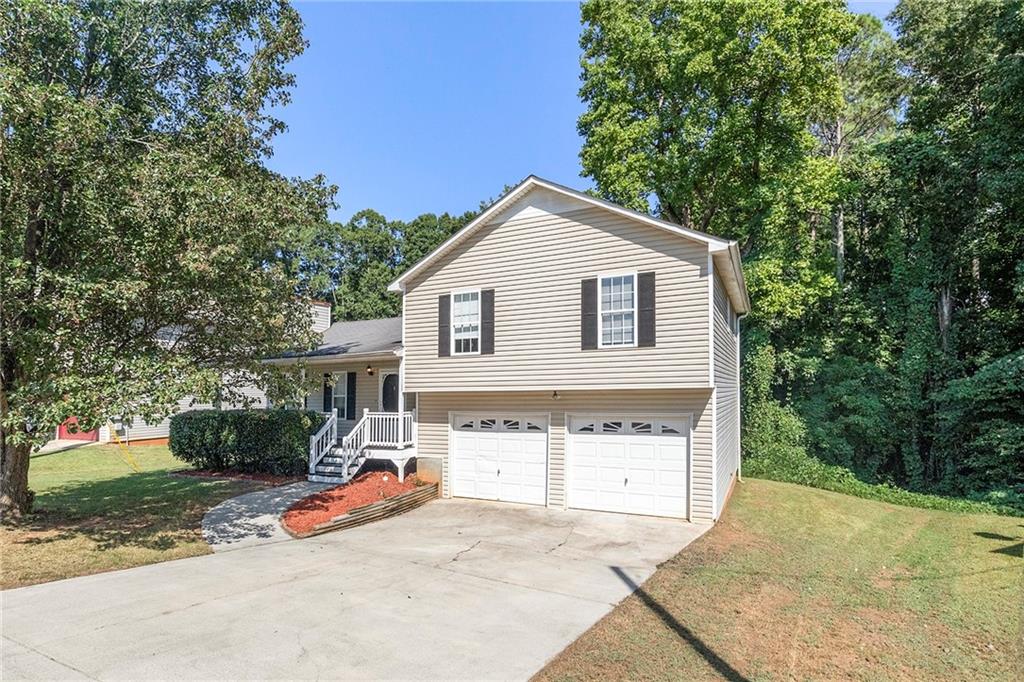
x=139, y=429
x=367, y=389
x=727, y=436
x=534, y=255
x=433, y=423
x=256, y=398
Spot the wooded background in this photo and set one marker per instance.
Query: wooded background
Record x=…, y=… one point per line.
x=874, y=178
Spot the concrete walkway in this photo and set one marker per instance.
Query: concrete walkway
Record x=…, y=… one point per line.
x=456, y=589
x=62, y=444
x=254, y=518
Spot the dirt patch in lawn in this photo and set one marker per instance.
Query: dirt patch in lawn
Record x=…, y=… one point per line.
x=366, y=489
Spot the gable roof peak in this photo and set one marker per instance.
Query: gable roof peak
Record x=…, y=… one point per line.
x=530, y=182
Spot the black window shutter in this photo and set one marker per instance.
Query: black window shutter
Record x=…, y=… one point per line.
x=328, y=394
x=646, y=314
x=487, y=322
x=350, y=396
x=588, y=314
x=444, y=318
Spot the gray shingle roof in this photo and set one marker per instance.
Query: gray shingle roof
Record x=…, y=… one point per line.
x=359, y=337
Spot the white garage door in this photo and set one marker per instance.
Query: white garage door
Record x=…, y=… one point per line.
x=635, y=465
x=500, y=457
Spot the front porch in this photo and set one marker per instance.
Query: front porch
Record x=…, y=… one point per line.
x=382, y=436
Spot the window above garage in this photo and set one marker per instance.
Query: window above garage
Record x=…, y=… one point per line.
x=618, y=310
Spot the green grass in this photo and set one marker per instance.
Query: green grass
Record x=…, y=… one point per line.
x=93, y=513
x=798, y=583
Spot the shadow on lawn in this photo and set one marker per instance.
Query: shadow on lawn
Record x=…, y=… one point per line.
x=150, y=510
x=1015, y=550
x=714, y=660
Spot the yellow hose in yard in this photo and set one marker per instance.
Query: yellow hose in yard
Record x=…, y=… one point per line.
x=125, y=454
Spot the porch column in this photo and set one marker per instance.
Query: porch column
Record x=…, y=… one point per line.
x=401, y=411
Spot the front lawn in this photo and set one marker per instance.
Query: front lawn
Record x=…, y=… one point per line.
x=93, y=513
x=798, y=583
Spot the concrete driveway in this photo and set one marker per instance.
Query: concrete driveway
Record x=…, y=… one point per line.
x=455, y=589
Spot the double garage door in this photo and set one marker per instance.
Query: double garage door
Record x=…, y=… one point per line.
x=619, y=463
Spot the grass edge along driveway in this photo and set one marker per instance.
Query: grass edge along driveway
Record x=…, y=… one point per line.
x=93, y=513
x=798, y=583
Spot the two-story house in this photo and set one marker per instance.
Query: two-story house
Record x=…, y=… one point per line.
x=559, y=350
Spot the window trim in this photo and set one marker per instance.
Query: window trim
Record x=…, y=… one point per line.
x=339, y=380
x=479, y=320
x=601, y=311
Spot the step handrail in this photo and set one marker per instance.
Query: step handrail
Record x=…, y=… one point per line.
x=374, y=429
x=323, y=441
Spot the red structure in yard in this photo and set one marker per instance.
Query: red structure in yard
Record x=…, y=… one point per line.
x=69, y=431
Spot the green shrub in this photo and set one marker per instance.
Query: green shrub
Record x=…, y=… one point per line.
x=792, y=464
x=252, y=441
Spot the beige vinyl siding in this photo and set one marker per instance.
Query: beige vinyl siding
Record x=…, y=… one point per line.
x=367, y=389
x=727, y=437
x=535, y=259
x=433, y=424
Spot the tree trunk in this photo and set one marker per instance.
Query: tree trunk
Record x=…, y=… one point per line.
x=15, y=498
x=839, y=226
x=945, y=316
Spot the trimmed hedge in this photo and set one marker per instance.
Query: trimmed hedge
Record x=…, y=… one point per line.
x=253, y=441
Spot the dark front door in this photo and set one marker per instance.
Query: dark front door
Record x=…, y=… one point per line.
x=389, y=394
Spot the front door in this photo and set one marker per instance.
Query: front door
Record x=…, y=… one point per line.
x=389, y=393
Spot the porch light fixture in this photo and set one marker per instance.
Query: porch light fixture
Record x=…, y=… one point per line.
x=555, y=396
x=369, y=370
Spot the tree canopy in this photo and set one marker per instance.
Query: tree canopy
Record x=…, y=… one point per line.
x=141, y=233
x=874, y=183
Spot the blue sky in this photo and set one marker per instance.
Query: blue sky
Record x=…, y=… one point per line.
x=416, y=108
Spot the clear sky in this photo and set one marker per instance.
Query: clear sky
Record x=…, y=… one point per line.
x=417, y=108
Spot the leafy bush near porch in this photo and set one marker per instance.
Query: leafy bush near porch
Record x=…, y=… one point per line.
x=252, y=441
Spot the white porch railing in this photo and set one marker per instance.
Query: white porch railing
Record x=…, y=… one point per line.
x=374, y=429
x=387, y=429
x=323, y=441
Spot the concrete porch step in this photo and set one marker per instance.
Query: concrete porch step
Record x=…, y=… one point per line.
x=317, y=478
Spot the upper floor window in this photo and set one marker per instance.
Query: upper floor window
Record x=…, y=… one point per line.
x=466, y=323
x=618, y=311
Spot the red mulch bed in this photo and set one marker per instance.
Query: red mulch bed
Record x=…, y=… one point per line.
x=270, y=479
x=368, y=488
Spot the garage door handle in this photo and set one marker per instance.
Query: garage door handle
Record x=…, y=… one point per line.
x=626, y=482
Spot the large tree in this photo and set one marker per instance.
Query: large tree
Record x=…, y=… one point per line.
x=141, y=233
x=703, y=105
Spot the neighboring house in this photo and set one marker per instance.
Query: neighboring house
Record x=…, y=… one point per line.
x=559, y=350
x=139, y=432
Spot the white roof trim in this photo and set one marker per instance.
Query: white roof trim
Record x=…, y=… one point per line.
x=714, y=243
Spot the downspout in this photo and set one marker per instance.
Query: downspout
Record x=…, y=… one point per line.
x=739, y=400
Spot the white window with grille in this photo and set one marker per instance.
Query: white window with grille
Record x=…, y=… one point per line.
x=466, y=323
x=618, y=311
